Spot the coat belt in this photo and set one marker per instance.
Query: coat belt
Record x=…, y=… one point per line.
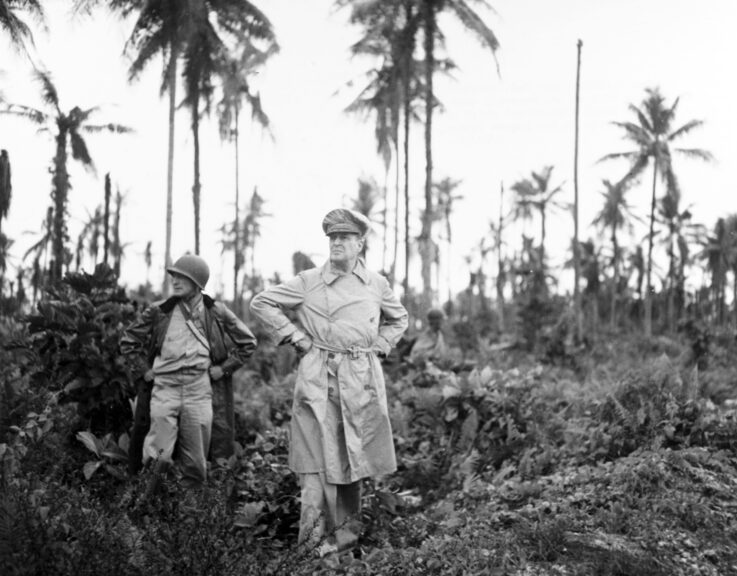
x=353, y=350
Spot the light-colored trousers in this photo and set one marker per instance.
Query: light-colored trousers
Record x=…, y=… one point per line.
x=181, y=410
x=328, y=509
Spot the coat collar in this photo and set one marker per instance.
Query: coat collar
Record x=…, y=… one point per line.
x=168, y=305
x=360, y=270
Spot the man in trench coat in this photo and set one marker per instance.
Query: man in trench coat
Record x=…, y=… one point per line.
x=340, y=432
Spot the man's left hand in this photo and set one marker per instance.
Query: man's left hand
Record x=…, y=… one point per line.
x=216, y=372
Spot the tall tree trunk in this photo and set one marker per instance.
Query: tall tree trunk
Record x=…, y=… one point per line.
x=576, y=251
x=384, y=222
x=734, y=294
x=500, y=262
x=172, y=80
x=236, y=222
x=671, y=313
x=615, y=279
x=61, y=190
x=196, y=187
x=429, y=24
x=407, y=241
x=543, y=232
x=106, y=220
x=117, y=246
x=648, y=283
x=397, y=179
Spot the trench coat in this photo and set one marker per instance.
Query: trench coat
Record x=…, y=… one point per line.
x=351, y=319
x=231, y=343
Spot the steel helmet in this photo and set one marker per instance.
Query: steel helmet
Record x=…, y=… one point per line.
x=193, y=267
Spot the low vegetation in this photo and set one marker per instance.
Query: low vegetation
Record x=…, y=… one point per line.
x=618, y=458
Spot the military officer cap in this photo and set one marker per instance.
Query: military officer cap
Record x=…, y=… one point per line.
x=345, y=221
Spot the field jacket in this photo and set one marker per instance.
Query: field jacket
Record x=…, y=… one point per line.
x=231, y=343
x=350, y=319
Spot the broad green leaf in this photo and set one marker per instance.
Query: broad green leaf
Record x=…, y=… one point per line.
x=90, y=468
x=90, y=441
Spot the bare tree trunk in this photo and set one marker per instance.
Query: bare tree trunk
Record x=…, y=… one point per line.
x=393, y=273
x=500, y=262
x=170, y=163
x=426, y=232
x=407, y=241
x=236, y=221
x=106, y=220
x=384, y=223
x=576, y=251
x=196, y=187
x=648, y=328
x=615, y=280
x=671, y=310
x=61, y=190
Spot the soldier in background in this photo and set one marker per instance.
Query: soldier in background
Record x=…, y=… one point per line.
x=430, y=344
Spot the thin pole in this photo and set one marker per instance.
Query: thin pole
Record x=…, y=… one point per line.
x=576, y=251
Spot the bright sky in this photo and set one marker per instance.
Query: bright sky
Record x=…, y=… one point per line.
x=494, y=129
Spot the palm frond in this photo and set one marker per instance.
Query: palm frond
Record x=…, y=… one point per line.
x=49, y=94
x=32, y=114
x=109, y=127
x=80, y=151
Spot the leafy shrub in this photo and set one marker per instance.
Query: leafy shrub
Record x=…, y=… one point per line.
x=74, y=336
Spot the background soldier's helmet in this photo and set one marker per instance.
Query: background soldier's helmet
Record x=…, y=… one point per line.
x=193, y=267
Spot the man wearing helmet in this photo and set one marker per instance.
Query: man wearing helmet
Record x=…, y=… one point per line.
x=347, y=317
x=178, y=349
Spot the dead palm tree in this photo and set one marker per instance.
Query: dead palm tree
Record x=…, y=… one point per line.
x=445, y=202
x=161, y=28
x=716, y=252
x=615, y=214
x=389, y=36
x=429, y=12
x=214, y=25
x=67, y=129
x=653, y=133
x=6, y=186
x=366, y=202
x=537, y=193
x=236, y=74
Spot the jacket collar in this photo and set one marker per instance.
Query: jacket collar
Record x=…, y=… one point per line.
x=168, y=305
x=360, y=270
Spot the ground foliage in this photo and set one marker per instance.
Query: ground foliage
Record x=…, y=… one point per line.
x=622, y=461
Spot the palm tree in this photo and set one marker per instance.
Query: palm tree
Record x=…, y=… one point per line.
x=214, y=25
x=653, y=133
x=67, y=129
x=536, y=192
x=390, y=29
x=429, y=11
x=446, y=200
x=680, y=229
x=14, y=26
x=382, y=94
x=730, y=225
x=366, y=202
x=162, y=27
x=614, y=215
x=252, y=225
x=716, y=251
x=6, y=186
x=236, y=73
x=89, y=238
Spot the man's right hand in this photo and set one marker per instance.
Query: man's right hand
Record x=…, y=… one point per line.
x=303, y=345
